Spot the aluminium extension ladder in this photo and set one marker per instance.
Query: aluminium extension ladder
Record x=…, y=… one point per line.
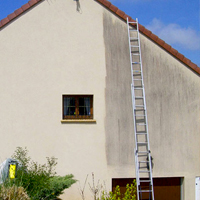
x=143, y=160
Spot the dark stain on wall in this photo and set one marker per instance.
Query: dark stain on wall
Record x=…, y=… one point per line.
x=119, y=120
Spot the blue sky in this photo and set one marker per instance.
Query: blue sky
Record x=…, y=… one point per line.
x=175, y=21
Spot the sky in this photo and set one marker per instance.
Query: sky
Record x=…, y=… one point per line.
x=177, y=22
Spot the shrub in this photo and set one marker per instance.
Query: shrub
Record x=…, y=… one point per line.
x=39, y=181
x=130, y=193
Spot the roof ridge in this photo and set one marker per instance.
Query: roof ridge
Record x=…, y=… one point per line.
x=123, y=16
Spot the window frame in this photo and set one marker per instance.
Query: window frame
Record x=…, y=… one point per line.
x=77, y=116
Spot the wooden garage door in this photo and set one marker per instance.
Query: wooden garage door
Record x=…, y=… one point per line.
x=164, y=188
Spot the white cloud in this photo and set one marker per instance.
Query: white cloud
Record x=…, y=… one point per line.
x=186, y=38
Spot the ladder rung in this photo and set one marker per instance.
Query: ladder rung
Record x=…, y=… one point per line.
x=141, y=124
x=133, y=22
x=141, y=133
x=146, y=171
x=140, y=110
x=138, y=88
x=141, y=154
x=139, y=97
x=133, y=39
x=137, y=71
x=145, y=181
x=140, y=115
x=136, y=62
x=142, y=143
x=145, y=190
x=135, y=51
x=143, y=161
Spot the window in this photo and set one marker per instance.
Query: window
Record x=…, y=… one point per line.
x=77, y=106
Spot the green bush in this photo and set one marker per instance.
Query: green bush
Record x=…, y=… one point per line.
x=39, y=181
x=130, y=193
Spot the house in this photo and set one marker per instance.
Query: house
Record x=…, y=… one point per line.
x=65, y=82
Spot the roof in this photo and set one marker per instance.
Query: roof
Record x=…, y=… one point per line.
x=121, y=15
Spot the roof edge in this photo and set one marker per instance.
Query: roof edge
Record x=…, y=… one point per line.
x=121, y=15
x=151, y=36
x=18, y=12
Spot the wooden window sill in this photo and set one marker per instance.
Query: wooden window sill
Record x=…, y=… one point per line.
x=78, y=121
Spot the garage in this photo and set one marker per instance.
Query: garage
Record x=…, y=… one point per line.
x=164, y=188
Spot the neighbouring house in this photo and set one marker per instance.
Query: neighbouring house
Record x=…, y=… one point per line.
x=65, y=82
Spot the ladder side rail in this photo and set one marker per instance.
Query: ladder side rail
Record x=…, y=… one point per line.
x=131, y=60
x=132, y=85
x=143, y=91
x=137, y=172
x=144, y=98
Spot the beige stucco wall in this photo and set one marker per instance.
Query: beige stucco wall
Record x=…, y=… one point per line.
x=52, y=50
x=173, y=106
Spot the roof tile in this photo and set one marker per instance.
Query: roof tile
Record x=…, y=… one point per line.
x=32, y=2
x=4, y=21
x=0, y=24
x=154, y=37
x=11, y=16
x=25, y=7
x=132, y=20
x=186, y=61
x=126, y=16
x=129, y=18
x=100, y=1
x=194, y=67
x=18, y=11
x=198, y=70
x=107, y=3
x=180, y=56
x=147, y=32
x=113, y=8
x=120, y=13
x=141, y=28
x=173, y=51
x=167, y=46
x=160, y=42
